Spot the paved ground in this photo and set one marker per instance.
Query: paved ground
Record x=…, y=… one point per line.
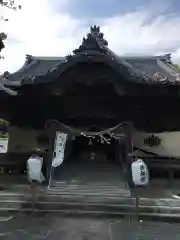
x=52, y=227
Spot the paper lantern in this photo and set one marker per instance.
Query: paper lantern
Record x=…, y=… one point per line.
x=140, y=173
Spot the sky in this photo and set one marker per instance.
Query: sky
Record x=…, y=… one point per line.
x=56, y=27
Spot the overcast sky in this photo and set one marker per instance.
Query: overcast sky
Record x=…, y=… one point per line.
x=56, y=27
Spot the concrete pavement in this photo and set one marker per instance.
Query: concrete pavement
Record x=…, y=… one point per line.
x=53, y=227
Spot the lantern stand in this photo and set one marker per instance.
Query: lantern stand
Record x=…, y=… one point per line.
x=171, y=174
x=137, y=199
x=136, y=189
x=130, y=155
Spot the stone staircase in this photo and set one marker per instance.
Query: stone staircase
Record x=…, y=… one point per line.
x=86, y=190
x=73, y=200
x=91, y=193
x=92, y=188
x=92, y=178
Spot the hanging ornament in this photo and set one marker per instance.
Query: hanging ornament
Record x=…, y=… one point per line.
x=90, y=142
x=102, y=140
x=177, y=75
x=93, y=156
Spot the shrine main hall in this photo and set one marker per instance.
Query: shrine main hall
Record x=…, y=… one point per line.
x=98, y=106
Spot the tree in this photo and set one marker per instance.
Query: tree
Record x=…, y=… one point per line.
x=3, y=36
x=12, y=5
x=176, y=66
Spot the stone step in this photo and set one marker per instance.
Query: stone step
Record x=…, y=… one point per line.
x=91, y=186
x=99, y=191
x=5, y=217
x=155, y=216
x=96, y=189
x=79, y=208
x=83, y=204
x=48, y=205
x=76, y=195
x=72, y=198
x=86, y=213
x=50, y=196
x=93, y=192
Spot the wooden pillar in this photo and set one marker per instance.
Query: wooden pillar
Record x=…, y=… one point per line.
x=129, y=143
x=121, y=148
x=171, y=174
x=118, y=151
x=129, y=149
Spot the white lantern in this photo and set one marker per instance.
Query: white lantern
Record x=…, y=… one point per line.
x=34, y=169
x=140, y=173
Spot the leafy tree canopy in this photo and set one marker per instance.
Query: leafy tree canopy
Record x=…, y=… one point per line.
x=177, y=66
x=12, y=5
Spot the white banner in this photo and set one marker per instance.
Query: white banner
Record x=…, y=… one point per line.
x=3, y=145
x=59, y=147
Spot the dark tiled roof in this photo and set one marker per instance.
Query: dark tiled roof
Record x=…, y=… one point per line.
x=144, y=70
x=151, y=66
x=35, y=67
x=151, y=70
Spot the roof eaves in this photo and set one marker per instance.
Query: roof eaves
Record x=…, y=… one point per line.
x=165, y=58
x=166, y=67
x=6, y=82
x=8, y=90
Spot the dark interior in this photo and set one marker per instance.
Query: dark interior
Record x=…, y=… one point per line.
x=90, y=160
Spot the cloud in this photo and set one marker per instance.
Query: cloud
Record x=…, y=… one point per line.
x=131, y=33
x=40, y=29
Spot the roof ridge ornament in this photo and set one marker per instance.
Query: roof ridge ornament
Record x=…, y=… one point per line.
x=158, y=78
x=177, y=75
x=28, y=60
x=93, y=42
x=166, y=58
x=95, y=32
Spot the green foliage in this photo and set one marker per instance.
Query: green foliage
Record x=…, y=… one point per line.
x=12, y=5
x=176, y=66
x=3, y=36
x=4, y=135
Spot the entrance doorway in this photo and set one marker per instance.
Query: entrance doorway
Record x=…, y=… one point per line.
x=92, y=161
x=93, y=150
